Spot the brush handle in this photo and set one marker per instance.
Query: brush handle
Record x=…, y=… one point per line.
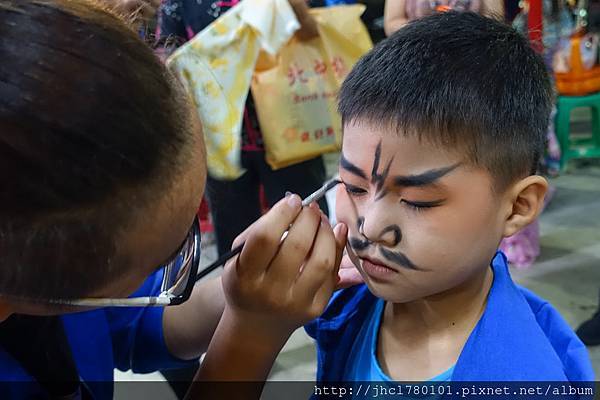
x=316, y=196
x=220, y=261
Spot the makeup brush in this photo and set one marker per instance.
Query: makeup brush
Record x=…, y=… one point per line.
x=316, y=196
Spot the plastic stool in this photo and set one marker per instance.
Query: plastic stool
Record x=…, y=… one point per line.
x=577, y=147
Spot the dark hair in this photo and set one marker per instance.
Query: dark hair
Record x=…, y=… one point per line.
x=91, y=127
x=458, y=80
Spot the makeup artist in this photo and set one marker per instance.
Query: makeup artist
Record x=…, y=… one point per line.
x=102, y=168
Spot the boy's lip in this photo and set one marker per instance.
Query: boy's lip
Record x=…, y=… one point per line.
x=377, y=262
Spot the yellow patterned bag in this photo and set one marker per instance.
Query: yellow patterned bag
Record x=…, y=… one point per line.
x=295, y=92
x=216, y=68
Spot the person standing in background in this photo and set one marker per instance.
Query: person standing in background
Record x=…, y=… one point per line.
x=399, y=12
x=235, y=204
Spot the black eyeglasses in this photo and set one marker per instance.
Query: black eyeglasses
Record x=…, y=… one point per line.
x=179, y=277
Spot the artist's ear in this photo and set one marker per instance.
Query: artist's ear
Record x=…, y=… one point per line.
x=5, y=310
x=525, y=202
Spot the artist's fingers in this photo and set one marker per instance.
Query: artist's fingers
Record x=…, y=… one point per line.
x=317, y=278
x=323, y=295
x=285, y=267
x=340, y=232
x=262, y=241
x=348, y=274
x=241, y=238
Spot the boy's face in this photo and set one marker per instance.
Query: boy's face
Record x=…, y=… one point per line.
x=420, y=219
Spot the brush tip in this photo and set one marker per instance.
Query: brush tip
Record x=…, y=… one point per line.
x=331, y=184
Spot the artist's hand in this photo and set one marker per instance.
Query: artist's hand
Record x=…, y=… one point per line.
x=348, y=274
x=135, y=11
x=277, y=287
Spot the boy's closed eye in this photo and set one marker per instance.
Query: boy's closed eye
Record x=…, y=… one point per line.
x=419, y=205
x=427, y=182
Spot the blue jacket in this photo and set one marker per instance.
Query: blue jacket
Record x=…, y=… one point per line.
x=102, y=340
x=520, y=337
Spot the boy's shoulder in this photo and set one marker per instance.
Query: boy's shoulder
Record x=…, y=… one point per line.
x=337, y=328
x=565, y=343
x=346, y=307
x=520, y=336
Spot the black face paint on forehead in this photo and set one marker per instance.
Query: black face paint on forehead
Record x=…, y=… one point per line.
x=377, y=178
x=353, y=169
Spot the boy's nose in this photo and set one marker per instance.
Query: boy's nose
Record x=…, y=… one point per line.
x=389, y=235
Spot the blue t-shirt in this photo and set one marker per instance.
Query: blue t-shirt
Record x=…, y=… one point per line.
x=338, y=2
x=102, y=340
x=519, y=337
x=363, y=363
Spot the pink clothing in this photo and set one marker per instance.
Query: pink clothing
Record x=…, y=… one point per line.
x=523, y=248
x=420, y=8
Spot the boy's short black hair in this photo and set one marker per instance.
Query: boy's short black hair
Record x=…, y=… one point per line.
x=458, y=80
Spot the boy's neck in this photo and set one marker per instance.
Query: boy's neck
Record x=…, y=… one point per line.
x=422, y=339
x=457, y=308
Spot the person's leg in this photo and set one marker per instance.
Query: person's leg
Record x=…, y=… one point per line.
x=234, y=205
x=302, y=178
x=589, y=331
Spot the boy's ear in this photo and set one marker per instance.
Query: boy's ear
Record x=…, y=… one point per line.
x=526, y=198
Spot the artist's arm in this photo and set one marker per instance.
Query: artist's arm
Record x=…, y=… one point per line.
x=394, y=16
x=271, y=290
x=493, y=8
x=189, y=327
x=308, y=25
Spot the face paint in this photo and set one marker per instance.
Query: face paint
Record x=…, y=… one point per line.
x=377, y=178
x=449, y=219
x=359, y=223
x=353, y=169
x=398, y=258
x=358, y=244
x=395, y=229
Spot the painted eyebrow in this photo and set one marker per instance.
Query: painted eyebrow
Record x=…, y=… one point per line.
x=424, y=179
x=353, y=169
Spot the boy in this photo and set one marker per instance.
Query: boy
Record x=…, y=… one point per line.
x=444, y=123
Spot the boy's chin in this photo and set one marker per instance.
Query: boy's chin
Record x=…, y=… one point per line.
x=392, y=293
